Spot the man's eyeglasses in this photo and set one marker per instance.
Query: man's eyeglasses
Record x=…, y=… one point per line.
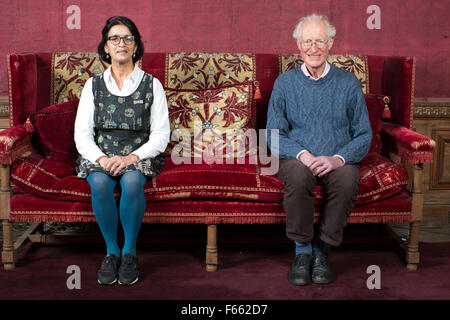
x=115, y=40
x=319, y=43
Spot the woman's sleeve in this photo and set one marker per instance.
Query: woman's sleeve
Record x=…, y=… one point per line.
x=84, y=125
x=159, y=125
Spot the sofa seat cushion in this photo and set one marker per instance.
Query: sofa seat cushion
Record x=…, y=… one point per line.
x=57, y=180
x=215, y=181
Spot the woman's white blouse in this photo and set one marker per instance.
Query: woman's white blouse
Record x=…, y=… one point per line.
x=159, y=118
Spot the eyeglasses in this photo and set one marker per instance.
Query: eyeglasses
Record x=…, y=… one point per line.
x=115, y=40
x=319, y=43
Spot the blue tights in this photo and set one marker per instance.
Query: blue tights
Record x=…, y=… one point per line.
x=131, y=208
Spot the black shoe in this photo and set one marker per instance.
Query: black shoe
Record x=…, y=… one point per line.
x=107, y=274
x=300, y=273
x=321, y=272
x=128, y=271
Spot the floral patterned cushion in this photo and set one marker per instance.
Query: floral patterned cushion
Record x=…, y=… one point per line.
x=357, y=64
x=197, y=70
x=210, y=123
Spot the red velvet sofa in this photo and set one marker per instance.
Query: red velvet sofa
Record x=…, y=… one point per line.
x=225, y=91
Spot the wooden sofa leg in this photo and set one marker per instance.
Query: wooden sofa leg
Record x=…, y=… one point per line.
x=8, y=240
x=412, y=252
x=211, y=248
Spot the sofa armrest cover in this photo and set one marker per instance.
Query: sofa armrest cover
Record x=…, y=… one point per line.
x=15, y=142
x=410, y=145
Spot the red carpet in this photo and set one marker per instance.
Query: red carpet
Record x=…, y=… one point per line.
x=246, y=272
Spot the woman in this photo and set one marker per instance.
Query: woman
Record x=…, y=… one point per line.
x=121, y=131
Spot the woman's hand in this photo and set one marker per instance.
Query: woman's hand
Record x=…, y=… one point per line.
x=116, y=164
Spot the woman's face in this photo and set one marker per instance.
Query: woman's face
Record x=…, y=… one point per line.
x=122, y=52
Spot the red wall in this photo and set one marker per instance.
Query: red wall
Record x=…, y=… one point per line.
x=418, y=28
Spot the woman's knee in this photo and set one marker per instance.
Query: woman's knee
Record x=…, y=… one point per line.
x=100, y=182
x=132, y=181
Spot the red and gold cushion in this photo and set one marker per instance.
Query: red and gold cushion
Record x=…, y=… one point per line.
x=356, y=64
x=49, y=179
x=215, y=181
x=54, y=131
x=56, y=180
x=380, y=178
x=211, y=123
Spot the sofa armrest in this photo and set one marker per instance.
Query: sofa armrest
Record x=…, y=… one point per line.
x=410, y=145
x=15, y=142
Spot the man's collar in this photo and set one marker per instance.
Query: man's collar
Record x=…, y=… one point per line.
x=324, y=73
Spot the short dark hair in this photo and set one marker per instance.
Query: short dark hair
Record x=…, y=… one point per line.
x=116, y=20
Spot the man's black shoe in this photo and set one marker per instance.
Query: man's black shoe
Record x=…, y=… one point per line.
x=128, y=271
x=107, y=274
x=300, y=273
x=321, y=272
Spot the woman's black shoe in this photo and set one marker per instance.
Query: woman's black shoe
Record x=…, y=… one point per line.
x=128, y=271
x=107, y=274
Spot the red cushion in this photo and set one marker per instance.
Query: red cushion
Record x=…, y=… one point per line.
x=49, y=178
x=380, y=178
x=215, y=181
x=53, y=179
x=54, y=129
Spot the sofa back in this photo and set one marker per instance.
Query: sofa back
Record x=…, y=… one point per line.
x=39, y=80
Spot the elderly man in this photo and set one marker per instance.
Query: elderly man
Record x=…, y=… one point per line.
x=324, y=131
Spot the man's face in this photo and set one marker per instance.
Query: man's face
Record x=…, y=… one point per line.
x=314, y=57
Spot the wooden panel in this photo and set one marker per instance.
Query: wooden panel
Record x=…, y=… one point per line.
x=432, y=119
x=4, y=112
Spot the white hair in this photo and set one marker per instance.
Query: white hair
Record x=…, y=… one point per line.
x=331, y=30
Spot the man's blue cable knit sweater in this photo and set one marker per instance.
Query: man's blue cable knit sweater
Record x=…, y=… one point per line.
x=326, y=117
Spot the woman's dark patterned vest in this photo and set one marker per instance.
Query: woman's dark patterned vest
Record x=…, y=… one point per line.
x=122, y=124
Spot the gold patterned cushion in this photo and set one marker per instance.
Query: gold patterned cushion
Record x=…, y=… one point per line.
x=209, y=121
x=357, y=64
x=71, y=70
x=197, y=70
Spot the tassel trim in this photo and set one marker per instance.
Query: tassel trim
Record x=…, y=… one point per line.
x=28, y=126
x=274, y=218
x=386, y=111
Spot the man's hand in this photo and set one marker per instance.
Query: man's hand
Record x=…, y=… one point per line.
x=320, y=166
x=116, y=164
x=306, y=158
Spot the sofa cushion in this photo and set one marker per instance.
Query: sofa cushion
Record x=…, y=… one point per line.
x=215, y=181
x=211, y=122
x=380, y=178
x=49, y=179
x=56, y=180
x=54, y=129
x=356, y=64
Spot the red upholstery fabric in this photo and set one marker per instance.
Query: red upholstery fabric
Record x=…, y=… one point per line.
x=54, y=130
x=14, y=142
x=410, y=145
x=380, y=178
x=26, y=208
x=375, y=107
x=49, y=179
x=215, y=181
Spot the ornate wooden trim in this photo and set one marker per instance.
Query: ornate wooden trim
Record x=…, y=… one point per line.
x=432, y=110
